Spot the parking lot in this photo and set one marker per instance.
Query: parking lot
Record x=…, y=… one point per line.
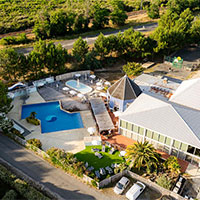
x=148, y=193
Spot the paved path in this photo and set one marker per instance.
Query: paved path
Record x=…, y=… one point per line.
x=68, y=44
x=55, y=179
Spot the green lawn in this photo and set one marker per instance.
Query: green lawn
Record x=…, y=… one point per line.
x=88, y=156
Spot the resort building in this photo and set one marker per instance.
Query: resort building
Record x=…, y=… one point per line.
x=172, y=127
x=122, y=93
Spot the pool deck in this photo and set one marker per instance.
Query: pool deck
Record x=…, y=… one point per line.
x=70, y=140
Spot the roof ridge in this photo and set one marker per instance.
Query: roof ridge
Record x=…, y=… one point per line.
x=184, y=121
x=116, y=86
x=131, y=86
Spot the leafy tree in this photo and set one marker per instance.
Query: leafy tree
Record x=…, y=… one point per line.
x=100, y=16
x=172, y=165
x=80, y=49
x=5, y=106
x=56, y=58
x=132, y=68
x=42, y=26
x=58, y=21
x=23, y=66
x=91, y=62
x=142, y=155
x=5, y=101
x=80, y=23
x=195, y=32
x=9, y=64
x=100, y=46
x=153, y=11
x=164, y=181
x=173, y=31
x=118, y=17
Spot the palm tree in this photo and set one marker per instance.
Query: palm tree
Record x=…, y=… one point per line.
x=142, y=155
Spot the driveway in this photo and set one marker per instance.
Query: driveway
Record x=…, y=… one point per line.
x=148, y=193
x=68, y=44
x=55, y=179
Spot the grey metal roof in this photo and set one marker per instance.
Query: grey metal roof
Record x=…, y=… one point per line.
x=167, y=118
x=188, y=94
x=101, y=114
x=157, y=81
x=125, y=89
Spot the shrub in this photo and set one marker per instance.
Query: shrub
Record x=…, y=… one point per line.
x=94, y=183
x=164, y=181
x=16, y=132
x=20, y=39
x=35, y=142
x=172, y=165
x=33, y=121
x=10, y=195
x=132, y=68
x=153, y=11
x=23, y=188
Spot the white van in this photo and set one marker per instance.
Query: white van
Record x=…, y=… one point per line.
x=135, y=191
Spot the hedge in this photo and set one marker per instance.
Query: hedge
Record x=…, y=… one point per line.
x=23, y=188
x=10, y=195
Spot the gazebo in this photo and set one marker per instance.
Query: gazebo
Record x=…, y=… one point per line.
x=122, y=92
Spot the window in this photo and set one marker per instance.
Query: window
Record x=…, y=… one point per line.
x=197, y=152
x=174, y=152
x=149, y=134
x=134, y=136
x=168, y=141
x=176, y=144
x=129, y=127
x=155, y=136
x=139, y=138
x=135, y=128
x=184, y=147
x=141, y=130
x=161, y=138
x=190, y=149
x=123, y=124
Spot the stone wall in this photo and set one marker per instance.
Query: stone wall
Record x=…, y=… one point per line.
x=71, y=75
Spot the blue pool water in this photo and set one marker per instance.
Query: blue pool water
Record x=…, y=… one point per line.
x=52, y=117
x=81, y=87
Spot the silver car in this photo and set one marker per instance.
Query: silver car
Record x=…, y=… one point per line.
x=121, y=185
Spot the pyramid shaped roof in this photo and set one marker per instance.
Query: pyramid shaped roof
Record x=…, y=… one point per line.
x=125, y=89
x=188, y=94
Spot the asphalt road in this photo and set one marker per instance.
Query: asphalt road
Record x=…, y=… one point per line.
x=68, y=44
x=54, y=179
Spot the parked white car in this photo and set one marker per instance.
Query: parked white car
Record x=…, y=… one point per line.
x=135, y=191
x=121, y=185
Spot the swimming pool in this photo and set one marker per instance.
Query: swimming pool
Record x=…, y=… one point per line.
x=52, y=117
x=80, y=87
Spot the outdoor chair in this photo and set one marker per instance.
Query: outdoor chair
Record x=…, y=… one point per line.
x=103, y=148
x=90, y=168
x=110, y=171
x=112, y=150
x=97, y=174
x=86, y=164
x=102, y=171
